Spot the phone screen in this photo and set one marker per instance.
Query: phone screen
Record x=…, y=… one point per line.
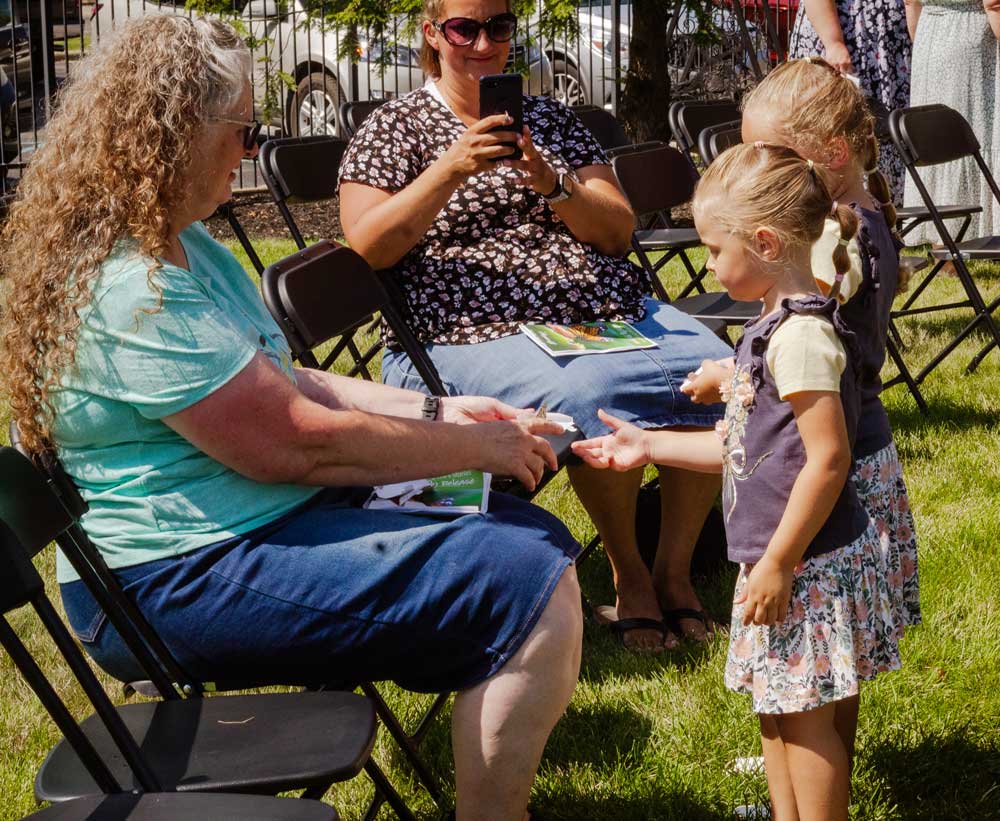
x=500, y=93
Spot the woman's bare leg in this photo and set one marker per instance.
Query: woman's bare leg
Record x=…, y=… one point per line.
x=685, y=499
x=779, y=781
x=817, y=763
x=610, y=498
x=499, y=727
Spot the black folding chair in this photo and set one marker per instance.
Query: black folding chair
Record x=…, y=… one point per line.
x=655, y=180
x=261, y=744
x=931, y=135
x=304, y=170
x=688, y=118
x=106, y=745
x=715, y=139
x=315, y=295
x=352, y=114
x=603, y=125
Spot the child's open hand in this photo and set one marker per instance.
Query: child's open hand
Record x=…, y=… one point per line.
x=704, y=385
x=767, y=593
x=625, y=448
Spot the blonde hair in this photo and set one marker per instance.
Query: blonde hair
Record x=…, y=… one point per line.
x=112, y=167
x=817, y=105
x=430, y=60
x=771, y=186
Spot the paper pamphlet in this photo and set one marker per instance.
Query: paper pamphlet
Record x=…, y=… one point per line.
x=586, y=338
x=466, y=491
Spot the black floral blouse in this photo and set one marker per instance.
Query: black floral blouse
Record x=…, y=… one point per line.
x=497, y=254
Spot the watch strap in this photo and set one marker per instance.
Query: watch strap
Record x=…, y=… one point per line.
x=431, y=406
x=557, y=190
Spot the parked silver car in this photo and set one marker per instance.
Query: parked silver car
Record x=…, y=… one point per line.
x=301, y=75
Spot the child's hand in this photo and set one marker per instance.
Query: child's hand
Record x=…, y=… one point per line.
x=625, y=448
x=767, y=594
x=704, y=385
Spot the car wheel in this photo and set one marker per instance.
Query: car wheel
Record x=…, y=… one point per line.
x=316, y=106
x=567, y=85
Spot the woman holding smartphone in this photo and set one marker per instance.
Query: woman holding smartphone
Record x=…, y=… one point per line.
x=480, y=244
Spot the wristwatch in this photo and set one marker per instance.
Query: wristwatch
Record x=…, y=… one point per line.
x=565, y=183
x=430, y=409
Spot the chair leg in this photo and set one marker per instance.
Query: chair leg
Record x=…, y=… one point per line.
x=384, y=791
x=904, y=376
x=408, y=743
x=979, y=357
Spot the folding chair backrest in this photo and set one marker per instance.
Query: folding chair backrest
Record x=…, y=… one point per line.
x=302, y=169
x=695, y=116
x=40, y=503
x=655, y=180
x=603, y=125
x=717, y=138
x=932, y=134
x=631, y=148
x=326, y=290
x=21, y=584
x=353, y=114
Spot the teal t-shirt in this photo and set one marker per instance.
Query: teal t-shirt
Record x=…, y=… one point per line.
x=142, y=356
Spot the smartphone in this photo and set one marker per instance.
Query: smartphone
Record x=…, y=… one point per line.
x=499, y=93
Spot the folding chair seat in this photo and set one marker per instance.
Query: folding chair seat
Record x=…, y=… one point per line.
x=603, y=125
x=304, y=170
x=352, y=114
x=931, y=135
x=260, y=744
x=688, y=118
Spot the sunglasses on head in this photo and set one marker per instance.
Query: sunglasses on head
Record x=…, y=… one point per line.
x=464, y=31
x=250, y=130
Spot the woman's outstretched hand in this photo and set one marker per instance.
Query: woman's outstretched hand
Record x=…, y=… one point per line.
x=478, y=149
x=536, y=173
x=625, y=448
x=517, y=449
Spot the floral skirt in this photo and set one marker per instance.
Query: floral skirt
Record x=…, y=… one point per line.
x=840, y=629
x=878, y=480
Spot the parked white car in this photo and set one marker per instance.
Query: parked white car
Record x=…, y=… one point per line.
x=300, y=77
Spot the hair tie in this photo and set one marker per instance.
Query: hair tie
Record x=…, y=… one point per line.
x=872, y=170
x=758, y=144
x=843, y=242
x=833, y=208
x=838, y=277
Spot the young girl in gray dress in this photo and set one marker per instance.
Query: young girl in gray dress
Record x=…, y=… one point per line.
x=811, y=615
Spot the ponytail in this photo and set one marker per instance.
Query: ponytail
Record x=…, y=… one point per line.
x=878, y=187
x=847, y=220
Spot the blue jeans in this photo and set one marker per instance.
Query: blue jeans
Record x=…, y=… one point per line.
x=332, y=594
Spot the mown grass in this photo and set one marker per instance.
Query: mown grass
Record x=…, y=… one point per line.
x=655, y=738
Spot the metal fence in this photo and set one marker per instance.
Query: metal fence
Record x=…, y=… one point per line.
x=305, y=67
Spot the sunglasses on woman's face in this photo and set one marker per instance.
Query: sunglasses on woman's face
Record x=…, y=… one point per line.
x=464, y=31
x=250, y=130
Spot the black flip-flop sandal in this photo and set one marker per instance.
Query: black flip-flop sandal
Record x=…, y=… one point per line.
x=622, y=626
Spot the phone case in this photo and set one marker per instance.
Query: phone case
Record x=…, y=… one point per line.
x=499, y=93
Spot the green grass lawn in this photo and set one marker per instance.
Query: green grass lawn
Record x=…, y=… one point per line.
x=654, y=738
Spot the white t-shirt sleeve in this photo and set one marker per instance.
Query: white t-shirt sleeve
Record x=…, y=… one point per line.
x=822, y=261
x=805, y=354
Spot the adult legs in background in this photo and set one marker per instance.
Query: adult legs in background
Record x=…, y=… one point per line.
x=685, y=500
x=499, y=727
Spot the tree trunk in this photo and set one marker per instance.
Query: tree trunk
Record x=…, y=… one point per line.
x=646, y=93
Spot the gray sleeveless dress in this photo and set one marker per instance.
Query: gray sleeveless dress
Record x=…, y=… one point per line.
x=955, y=62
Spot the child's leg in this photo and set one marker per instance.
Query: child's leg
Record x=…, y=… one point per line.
x=817, y=763
x=779, y=781
x=846, y=721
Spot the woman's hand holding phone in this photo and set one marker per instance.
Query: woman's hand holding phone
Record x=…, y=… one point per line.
x=479, y=148
x=536, y=173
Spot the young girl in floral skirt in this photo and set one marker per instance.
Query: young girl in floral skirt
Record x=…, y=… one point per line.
x=809, y=106
x=812, y=614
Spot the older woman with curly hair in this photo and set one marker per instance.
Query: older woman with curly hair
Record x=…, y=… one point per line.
x=223, y=482
x=480, y=244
